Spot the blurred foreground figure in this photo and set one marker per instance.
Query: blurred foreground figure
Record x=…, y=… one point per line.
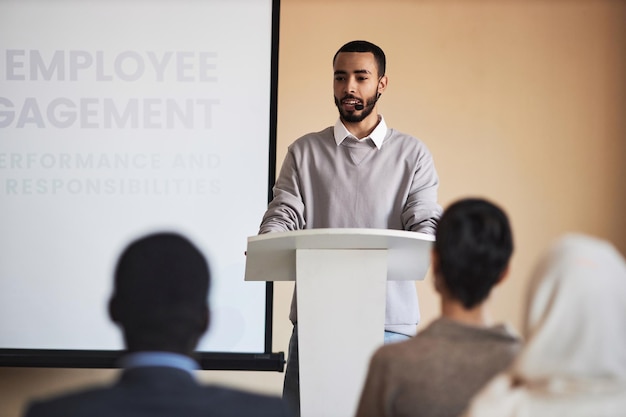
x=574, y=362
x=160, y=302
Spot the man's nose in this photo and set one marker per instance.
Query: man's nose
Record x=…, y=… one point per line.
x=351, y=85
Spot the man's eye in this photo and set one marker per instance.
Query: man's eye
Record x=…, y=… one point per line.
x=339, y=78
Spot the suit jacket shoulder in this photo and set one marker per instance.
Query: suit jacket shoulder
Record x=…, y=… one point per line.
x=158, y=392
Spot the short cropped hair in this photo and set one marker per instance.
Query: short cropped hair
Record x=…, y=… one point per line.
x=365, y=46
x=474, y=243
x=160, y=295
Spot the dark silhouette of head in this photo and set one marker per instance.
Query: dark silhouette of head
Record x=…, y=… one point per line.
x=365, y=46
x=160, y=295
x=473, y=246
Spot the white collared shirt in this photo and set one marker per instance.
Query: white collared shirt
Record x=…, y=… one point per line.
x=377, y=136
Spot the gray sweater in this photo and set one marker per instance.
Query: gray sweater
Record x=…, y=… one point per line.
x=357, y=185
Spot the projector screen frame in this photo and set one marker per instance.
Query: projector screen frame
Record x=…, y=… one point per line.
x=261, y=361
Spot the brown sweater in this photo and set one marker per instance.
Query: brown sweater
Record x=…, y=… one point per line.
x=436, y=373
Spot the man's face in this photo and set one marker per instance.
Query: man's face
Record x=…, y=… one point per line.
x=356, y=83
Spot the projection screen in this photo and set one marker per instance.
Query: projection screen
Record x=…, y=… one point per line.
x=121, y=118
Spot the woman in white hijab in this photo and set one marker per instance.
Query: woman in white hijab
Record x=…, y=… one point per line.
x=574, y=360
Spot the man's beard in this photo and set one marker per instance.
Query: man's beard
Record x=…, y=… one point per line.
x=352, y=117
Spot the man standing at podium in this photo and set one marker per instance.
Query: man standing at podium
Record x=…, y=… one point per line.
x=357, y=174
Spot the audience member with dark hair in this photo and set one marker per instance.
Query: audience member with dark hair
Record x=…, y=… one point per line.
x=574, y=361
x=435, y=373
x=160, y=302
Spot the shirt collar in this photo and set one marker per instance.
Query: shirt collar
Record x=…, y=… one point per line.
x=172, y=360
x=377, y=136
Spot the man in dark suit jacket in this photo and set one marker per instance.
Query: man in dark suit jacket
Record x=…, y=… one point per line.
x=160, y=302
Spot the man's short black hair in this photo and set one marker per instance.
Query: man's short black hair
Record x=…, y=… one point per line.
x=160, y=295
x=365, y=46
x=473, y=244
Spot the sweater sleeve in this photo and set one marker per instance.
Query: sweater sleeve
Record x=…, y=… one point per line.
x=421, y=211
x=286, y=210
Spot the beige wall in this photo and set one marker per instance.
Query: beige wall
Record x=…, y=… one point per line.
x=523, y=102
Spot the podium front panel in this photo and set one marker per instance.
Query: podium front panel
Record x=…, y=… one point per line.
x=341, y=318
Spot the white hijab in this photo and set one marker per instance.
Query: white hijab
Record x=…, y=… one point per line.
x=575, y=319
x=574, y=360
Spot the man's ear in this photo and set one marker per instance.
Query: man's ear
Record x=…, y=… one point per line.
x=382, y=84
x=114, y=311
x=207, y=319
x=434, y=261
x=504, y=274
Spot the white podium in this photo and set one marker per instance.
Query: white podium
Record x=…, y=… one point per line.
x=341, y=279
